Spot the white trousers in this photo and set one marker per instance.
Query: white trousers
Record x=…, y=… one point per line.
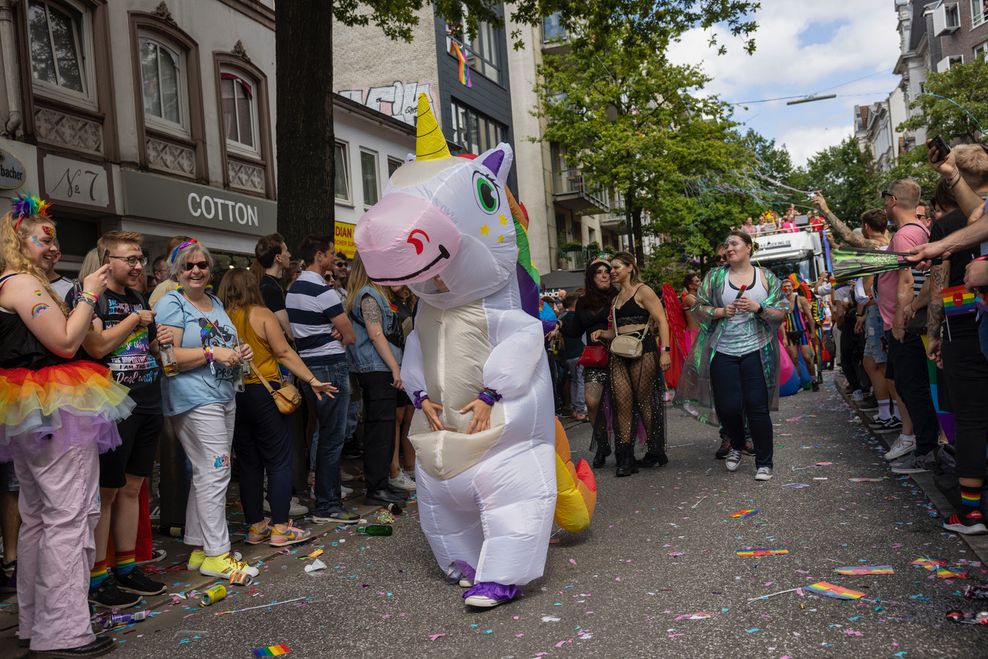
x=59, y=506
x=206, y=434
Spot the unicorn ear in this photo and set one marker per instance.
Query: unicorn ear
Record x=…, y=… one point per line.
x=498, y=160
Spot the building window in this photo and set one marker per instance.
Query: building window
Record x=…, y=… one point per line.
x=239, y=102
x=368, y=176
x=342, y=167
x=475, y=132
x=393, y=165
x=981, y=51
x=552, y=29
x=977, y=12
x=162, y=85
x=58, y=56
x=481, y=50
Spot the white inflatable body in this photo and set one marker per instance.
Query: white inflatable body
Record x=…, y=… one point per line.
x=485, y=499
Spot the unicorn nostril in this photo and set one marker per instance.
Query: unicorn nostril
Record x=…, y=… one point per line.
x=415, y=242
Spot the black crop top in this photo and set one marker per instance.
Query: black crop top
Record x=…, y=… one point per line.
x=19, y=348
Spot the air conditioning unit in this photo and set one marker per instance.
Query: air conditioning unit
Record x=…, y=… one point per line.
x=948, y=62
x=946, y=19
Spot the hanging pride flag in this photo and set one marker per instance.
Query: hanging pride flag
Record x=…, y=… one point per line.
x=958, y=301
x=745, y=514
x=463, y=67
x=830, y=590
x=862, y=570
x=762, y=552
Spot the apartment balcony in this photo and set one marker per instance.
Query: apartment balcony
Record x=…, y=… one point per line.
x=572, y=193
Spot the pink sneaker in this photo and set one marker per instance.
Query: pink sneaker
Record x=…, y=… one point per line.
x=259, y=532
x=292, y=535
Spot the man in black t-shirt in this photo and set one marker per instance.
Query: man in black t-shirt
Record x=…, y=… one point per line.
x=124, y=338
x=953, y=342
x=273, y=256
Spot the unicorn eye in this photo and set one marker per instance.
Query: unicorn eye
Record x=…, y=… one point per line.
x=486, y=193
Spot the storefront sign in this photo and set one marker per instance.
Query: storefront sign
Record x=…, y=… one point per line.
x=343, y=239
x=11, y=172
x=75, y=181
x=163, y=198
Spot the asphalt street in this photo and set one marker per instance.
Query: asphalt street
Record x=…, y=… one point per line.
x=657, y=574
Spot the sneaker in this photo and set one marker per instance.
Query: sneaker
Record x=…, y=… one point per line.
x=487, y=595
x=857, y=395
x=136, y=581
x=890, y=424
x=902, y=445
x=749, y=447
x=410, y=473
x=339, y=517
x=157, y=555
x=733, y=459
x=345, y=492
x=346, y=476
x=725, y=448
x=259, y=532
x=972, y=523
x=292, y=535
x=195, y=559
x=763, y=474
x=402, y=482
x=97, y=648
x=225, y=565
x=295, y=509
x=911, y=464
x=108, y=596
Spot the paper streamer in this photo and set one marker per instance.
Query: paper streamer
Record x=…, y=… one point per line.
x=861, y=570
x=745, y=514
x=762, y=552
x=272, y=651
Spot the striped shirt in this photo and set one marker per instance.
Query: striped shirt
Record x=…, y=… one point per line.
x=312, y=306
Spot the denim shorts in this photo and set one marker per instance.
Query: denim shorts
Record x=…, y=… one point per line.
x=874, y=331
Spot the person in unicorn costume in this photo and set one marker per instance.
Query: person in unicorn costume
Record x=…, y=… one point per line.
x=475, y=364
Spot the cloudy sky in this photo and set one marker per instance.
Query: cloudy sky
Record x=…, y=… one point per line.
x=804, y=47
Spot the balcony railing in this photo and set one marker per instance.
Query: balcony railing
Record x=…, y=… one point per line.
x=572, y=192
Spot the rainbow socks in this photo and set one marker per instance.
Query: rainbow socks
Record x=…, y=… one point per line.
x=98, y=574
x=126, y=562
x=970, y=498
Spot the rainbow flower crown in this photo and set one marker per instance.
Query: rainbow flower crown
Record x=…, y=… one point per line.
x=28, y=206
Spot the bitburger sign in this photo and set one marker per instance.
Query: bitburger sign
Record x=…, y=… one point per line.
x=11, y=172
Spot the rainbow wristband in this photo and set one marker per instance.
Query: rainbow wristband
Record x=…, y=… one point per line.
x=489, y=396
x=418, y=397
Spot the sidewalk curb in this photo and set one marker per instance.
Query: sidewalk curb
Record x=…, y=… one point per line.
x=977, y=543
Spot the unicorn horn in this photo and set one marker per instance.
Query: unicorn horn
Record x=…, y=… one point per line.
x=430, y=144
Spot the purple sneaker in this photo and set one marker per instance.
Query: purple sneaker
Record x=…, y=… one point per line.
x=462, y=573
x=488, y=594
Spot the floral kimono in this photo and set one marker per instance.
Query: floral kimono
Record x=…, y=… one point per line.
x=695, y=393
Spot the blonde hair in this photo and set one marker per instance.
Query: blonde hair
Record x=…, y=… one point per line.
x=629, y=260
x=13, y=234
x=972, y=162
x=90, y=263
x=239, y=290
x=112, y=239
x=906, y=192
x=357, y=280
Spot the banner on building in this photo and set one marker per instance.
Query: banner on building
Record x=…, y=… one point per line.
x=343, y=239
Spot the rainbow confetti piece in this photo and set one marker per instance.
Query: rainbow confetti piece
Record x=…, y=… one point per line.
x=762, y=552
x=830, y=590
x=272, y=651
x=745, y=514
x=861, y=570
x=942, y=569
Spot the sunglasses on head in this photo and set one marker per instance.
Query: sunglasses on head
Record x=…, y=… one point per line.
x=202, y=265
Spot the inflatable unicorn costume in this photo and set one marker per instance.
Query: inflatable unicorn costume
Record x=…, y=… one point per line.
x=449, y=229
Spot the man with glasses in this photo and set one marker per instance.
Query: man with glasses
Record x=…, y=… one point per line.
x=124, y=338
x=923, y=214
x=160, y=269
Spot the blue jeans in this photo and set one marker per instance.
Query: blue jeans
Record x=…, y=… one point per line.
x=740, y=395
x=577, y=398
x=331, y=414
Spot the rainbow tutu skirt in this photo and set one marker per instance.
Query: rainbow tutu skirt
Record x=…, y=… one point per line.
x=69, y=405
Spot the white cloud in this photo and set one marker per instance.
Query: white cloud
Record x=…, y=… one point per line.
x=806, y=141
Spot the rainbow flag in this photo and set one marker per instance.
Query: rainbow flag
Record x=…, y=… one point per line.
x=745, y=514
x=830, y=590
x=762, y=552
x=942, y=569
x=272, y=651
x=463, y=67
x=958, y=301
x=861, y=570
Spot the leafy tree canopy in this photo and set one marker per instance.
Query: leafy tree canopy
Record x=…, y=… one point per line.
x=954, y=104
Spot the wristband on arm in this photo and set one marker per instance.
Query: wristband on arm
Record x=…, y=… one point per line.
x=489, y=396
x=418, y=397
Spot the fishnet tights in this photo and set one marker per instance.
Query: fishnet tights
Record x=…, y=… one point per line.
x=637, y=387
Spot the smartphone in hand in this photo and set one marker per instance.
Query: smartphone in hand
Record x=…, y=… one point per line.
x=939, y=145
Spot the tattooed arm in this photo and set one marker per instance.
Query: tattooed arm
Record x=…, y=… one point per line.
x=843, y=231
x=934, y=310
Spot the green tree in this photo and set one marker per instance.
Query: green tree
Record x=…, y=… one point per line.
x=954, y=103
x=846, y=176
x=631, y=120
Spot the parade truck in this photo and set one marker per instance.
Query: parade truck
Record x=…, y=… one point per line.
x=786, y=252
